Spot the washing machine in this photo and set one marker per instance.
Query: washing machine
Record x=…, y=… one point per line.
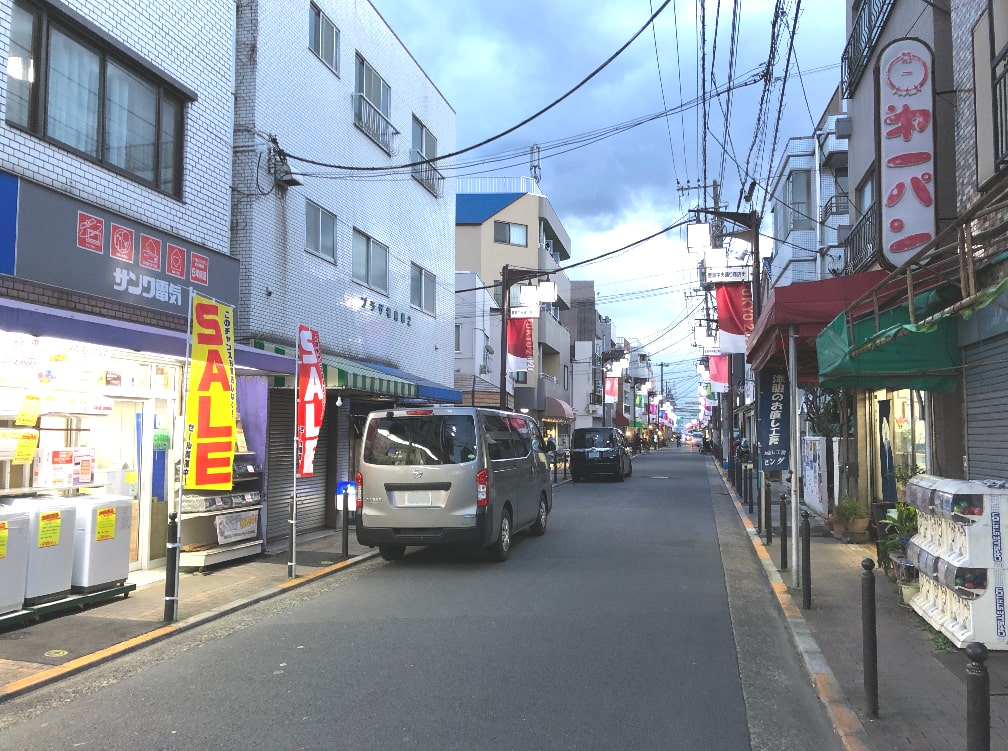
x=13, y=559
x=102, y=546
x=51, y=529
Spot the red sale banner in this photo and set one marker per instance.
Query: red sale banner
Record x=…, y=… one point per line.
x=311, y=399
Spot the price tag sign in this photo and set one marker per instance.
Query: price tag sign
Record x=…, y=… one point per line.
x=49, y=529
x=105, y=528
x=29, y=412
x=4, y=533
x=24, y=451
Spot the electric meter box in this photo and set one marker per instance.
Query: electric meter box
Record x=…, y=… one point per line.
x=102, y=542
x=13, y=559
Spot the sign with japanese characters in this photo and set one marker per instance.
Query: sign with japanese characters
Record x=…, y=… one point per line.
x=774, y=427
x=906, y=150
x=209, y=440
x=311, y=399
x=70, y=244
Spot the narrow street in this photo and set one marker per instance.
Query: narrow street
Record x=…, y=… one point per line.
x=640, y=621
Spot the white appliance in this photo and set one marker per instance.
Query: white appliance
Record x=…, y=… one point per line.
x=13, y=559
x=51, y=526
x=102, y=542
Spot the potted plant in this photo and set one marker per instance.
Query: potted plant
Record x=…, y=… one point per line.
x=894, y=535
x=902, y=475
x=852, y=516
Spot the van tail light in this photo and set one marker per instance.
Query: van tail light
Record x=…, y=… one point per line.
x=360, y=491
x=482, y=488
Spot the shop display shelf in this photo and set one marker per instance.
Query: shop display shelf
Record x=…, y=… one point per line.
x=36, y=612
x=218, y=512
x=199, y=559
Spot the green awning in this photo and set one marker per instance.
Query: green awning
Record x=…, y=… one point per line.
x=343, y=373
x=899, y=354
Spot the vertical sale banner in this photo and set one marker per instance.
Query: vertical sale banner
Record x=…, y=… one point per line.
x=208, y=456
x=311, y=399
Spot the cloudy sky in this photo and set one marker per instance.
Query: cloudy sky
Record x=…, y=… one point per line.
x=614, y=168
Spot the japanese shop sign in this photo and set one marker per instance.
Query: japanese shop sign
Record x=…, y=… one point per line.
x=70, y=244
x=774, y=419
x=311, y=399
x=209, y=441
x=906, y=150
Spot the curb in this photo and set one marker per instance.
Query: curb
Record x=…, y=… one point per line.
x=80, y=664
x=842, y=716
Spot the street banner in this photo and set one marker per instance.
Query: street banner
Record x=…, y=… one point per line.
x=611, y=389
x=774, y=426
x=209, y=441
x=520, y=346
x=735, y=316
x=718, y=368
x=311, y=399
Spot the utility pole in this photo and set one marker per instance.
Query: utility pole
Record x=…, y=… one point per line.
x=505, y=315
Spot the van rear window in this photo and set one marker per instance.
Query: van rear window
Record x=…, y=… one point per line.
x=424, y=440
x=589, y=439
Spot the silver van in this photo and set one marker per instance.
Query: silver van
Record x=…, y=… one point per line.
x=451, y=475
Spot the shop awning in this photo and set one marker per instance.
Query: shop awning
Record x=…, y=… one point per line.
x=808, y=307
x=426, y=389
x=557, y=409
x=896, y=354
x=620, y=420
x=39, y=320
x=344, y=373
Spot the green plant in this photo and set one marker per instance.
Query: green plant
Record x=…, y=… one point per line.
x=849, y=509
x=904, y=472
x=898, y=530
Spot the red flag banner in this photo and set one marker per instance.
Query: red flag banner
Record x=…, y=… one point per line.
x=718, y=368
x=735, y=316
x=311, y=399
x=611, y=389
x=520, y=346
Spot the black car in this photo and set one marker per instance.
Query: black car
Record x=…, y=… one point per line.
x=599, y=452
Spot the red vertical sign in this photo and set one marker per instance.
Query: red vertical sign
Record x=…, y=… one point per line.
x=311, y=399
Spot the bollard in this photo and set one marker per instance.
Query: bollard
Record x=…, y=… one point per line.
x=783, y=532
x=749, y=486
x=566, y=462
x=171, y=570
x=292, y=539
x=869, y=638
x=346, y=522
x=745, y=485
x=767, y=513
x=977, y=699
x=554, y=469
x=759, y=511
x=806, y=561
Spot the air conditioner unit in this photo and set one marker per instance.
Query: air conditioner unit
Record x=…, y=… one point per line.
x=595, y=410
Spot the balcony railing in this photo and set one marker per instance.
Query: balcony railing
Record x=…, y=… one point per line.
x=1000, y=96
x=860, y=245
x=838, y=205
x=426, y=174
x=865, y=32
x=370, y=119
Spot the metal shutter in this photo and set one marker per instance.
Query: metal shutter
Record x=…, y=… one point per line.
x=985, y=391
x=280, y=472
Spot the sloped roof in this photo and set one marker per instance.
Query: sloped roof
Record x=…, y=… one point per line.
x=476, y=208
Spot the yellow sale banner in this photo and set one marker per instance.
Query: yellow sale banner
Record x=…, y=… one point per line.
x=208, y=453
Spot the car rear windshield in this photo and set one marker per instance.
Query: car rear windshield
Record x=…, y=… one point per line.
x=586, y=439
x=424, y=439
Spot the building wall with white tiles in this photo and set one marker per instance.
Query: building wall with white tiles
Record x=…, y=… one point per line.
x=288, y=100
x=192, y=43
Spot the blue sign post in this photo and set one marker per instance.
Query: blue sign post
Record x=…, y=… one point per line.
x=774, y=428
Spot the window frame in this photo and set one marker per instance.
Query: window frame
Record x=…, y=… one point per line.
x=322, y=213
x=166, y=166
x=317, y=16
x=370, y=244
x=509, y=225
x=424, y=274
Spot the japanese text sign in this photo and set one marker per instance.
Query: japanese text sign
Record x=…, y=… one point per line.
x=774, y=426
x=311, y=399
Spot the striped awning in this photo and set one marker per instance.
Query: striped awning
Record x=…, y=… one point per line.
x=344, y=373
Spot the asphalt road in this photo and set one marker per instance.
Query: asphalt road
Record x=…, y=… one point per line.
x=641, y=620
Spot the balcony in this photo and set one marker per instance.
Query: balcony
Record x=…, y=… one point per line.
x=865, y=32
x=375, y=125
x=838, y=205
x=860, y=245
x=425, y=173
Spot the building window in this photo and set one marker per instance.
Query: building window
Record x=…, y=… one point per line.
x=320, y=231
x=370, y=261
x=799, y=188
x=422, y=157
x=511, y=234
x=566, y=377
x=323, y=38
x=97, y=103
x=422, y=289
x=521, y=376
x=373, y=105
x=458, y=338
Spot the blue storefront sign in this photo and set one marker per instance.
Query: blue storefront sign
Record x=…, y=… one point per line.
x=774, y=420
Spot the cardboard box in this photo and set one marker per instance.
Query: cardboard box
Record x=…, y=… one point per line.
x=84, y=462
x=53, y=468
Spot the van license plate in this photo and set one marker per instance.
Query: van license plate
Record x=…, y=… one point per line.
x=593, y=454
x=416, y=498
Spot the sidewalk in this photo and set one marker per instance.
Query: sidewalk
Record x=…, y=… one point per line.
x=922, y=689
x=46, y=651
